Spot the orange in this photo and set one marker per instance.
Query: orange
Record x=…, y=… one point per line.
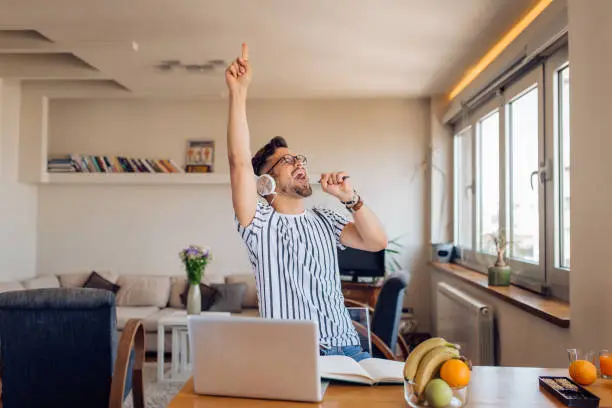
x=583, y=372
x=456, y=373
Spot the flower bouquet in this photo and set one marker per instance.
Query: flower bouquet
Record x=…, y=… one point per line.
x=195, y=259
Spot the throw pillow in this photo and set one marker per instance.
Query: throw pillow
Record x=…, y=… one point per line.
x=209, y=295
x=230, y=297
x=97, y=281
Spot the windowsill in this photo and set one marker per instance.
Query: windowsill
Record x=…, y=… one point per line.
x=554, y=311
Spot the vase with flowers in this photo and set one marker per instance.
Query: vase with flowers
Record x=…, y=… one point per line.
x=195, y=259
x=499, y=273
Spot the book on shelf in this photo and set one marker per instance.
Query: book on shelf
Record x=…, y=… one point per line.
x=76, y=163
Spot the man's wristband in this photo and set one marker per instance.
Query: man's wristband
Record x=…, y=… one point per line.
x=353, y=200
x=355, y=207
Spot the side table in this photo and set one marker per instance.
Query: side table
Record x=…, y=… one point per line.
x=180, y=358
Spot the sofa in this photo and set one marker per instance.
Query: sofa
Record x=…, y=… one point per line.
x=147, y=297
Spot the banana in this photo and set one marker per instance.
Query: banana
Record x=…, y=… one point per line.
x=430, y=364
x=414, y=358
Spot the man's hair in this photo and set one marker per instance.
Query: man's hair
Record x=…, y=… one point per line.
x=266, y=151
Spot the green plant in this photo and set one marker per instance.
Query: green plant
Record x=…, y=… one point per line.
x=392, y=253
x=501, y=244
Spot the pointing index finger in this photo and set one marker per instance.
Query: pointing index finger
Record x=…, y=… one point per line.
x=245, y=51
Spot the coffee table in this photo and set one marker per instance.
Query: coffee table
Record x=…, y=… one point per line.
x=180, y=358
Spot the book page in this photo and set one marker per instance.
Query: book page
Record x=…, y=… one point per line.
x=384, y=370
x=342, y=367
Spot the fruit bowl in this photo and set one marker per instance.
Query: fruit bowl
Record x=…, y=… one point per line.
x=459, y=397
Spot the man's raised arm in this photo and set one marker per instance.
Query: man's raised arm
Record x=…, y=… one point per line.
x=244, y=199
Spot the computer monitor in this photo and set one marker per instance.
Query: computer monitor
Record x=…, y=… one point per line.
x=358, y=265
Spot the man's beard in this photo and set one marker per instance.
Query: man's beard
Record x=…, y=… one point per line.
x=299, y=190
x=303, y=191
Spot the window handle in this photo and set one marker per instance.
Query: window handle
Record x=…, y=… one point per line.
x=543, y=173
x=471, y=188
x=533, y=173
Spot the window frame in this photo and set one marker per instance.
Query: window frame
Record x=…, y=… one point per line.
x=547, y=276
x=466, y=129
x=557, y=276
x=526, y=273
x=484, y=113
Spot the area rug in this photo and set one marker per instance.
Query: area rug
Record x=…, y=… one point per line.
x=157, y=395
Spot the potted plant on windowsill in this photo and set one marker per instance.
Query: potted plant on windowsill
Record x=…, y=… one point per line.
x=499, y=273
x=195, y=259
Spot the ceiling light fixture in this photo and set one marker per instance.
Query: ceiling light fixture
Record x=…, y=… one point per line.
x=500, y=46
x=170, y=65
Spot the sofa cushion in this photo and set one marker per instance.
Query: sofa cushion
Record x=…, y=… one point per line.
x=137, y=290
x=177, y=287
x=10, y=286
x=210, y=278
x=230, y=297
x=97, y=281
x=125, y=313
x=250, y=295
x=42, y=282
x=77, y=280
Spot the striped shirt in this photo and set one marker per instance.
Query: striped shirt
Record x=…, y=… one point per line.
x=296, y=269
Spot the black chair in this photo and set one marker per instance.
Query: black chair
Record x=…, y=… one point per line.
x=59, y=348
x=385, y=322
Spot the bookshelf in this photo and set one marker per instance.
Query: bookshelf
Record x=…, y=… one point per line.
x=137, y=178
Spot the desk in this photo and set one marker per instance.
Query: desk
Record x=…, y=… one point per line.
x=490, y=387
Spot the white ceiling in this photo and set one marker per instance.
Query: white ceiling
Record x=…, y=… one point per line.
x=305, y=48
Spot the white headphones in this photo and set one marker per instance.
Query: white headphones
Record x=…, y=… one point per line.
x=266, y=185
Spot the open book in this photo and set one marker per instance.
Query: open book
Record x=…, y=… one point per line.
x=369, y=371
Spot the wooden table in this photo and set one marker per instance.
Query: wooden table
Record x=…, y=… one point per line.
x=514, y=387
x=499, y=387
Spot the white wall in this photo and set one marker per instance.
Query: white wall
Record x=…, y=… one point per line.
x=590, y=25
x=17, y=201
x=524, y=339
x=129, y=229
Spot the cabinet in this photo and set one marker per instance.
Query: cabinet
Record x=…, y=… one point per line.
x=362, y=292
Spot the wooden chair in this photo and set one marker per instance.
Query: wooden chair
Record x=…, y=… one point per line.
x=59, y=348
x=385, y=318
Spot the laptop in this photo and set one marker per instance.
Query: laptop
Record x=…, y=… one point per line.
x=254, y=357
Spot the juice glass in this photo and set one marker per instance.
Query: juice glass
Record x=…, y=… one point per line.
x=605, y=364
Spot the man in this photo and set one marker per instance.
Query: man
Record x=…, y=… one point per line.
x=293, y=250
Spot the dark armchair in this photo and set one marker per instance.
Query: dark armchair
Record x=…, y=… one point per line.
x=60, y=348
x=384, y=326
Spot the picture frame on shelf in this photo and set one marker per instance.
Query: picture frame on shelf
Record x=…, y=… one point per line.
x=198, y=168
x=200, y=156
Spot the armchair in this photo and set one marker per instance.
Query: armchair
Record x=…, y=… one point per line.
x=58, y=347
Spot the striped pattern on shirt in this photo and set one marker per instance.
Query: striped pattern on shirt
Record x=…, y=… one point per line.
x=296, y=269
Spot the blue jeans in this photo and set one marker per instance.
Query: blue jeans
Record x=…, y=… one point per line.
x=354, y=352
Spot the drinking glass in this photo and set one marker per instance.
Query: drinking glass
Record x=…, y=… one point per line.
x=577, y=354
x=605, y=364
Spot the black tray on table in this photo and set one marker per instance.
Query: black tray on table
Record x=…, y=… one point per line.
x=568, y=392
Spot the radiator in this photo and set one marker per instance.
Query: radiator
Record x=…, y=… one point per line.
x=466, y=321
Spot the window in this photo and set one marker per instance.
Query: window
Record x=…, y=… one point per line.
x=523, y=228
x=463, y=190
x=488, y=180
x=512, y=157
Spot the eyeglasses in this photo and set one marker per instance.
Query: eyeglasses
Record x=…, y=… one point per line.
x=290, y=160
